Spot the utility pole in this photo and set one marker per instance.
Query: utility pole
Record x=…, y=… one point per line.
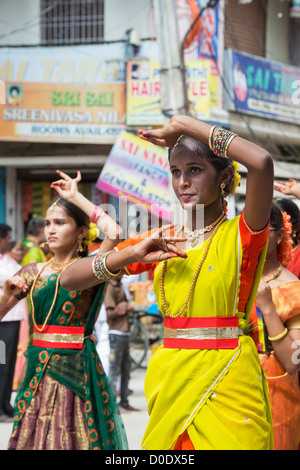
x=173, y=86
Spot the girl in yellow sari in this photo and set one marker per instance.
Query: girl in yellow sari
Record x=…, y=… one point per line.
x=205, y=387
x=278, y=298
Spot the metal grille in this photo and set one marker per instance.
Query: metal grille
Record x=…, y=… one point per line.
x=71, y=21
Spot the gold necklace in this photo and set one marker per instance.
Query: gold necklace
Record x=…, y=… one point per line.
x=195, y=234
x=55, y=295
x=275, y=275
x=209, y=242
x=58, y=266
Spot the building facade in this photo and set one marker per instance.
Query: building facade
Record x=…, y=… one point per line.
x=79, y=74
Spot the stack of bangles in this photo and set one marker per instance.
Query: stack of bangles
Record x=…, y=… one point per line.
x=98, y=211
x=280, y=336
x=219, y=143
x=100, y=269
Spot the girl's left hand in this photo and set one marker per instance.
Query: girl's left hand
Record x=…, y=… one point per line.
x=66, y=187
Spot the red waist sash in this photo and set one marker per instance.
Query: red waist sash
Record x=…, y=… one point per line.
x=61, y=337
x=201, y=332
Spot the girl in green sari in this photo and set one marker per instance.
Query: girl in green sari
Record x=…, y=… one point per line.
x=64, y=401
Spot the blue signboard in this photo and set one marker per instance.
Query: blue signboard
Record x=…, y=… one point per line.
x=260, y=87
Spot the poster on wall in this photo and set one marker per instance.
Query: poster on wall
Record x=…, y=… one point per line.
x=143, y=104
x=261, y=87
x=89, y=113
x=137, y=172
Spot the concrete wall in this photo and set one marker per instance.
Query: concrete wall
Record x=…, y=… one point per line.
x=19, y=22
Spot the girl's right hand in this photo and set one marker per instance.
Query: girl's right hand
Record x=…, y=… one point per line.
x=290, y=188
x=66, y=187
x=164, y=137
x=159, y=246
x=14, y=286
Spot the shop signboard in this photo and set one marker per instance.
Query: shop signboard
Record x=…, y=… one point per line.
x=89, y=113
x=137, y=171
x=70, y=94
x=143, y=103
x=261, y=87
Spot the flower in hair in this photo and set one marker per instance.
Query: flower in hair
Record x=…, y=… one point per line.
x=237, y=177
x=92, y=234
x=285, y=248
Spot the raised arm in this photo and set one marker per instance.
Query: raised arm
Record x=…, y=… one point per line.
x=158, y=246
x=258, y=162
x=67, y=188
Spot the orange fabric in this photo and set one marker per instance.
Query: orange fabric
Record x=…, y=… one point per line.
x=252, y=242
x=284, y=389
x=184, y=442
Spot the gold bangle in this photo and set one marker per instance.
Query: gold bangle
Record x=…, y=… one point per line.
x=210, y=137
x=280, y=336
x=227, y=145
x=109, y=272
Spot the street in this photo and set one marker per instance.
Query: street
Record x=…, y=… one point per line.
x=135, y=421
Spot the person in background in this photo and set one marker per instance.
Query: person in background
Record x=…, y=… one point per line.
x=291, y=188
x=118, y=309
x=35, y=236
x=16, y=253
x=278, y=298
x=9, y=327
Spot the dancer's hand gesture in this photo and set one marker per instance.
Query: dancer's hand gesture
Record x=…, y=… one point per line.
x=14, y=286
x=164, y=137
x=158, y=246
x=290, y=188
x=66, y=187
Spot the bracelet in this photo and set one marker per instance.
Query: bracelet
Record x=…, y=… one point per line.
x=100, y=269
x=210, y=137
x=96, y=214
x=221, y=141
x=280, y=336
x=228, y=143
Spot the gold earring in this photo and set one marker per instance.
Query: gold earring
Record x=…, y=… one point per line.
x=80, y=246
x=222, y=186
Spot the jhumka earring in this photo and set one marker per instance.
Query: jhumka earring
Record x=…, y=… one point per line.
x=80, y=246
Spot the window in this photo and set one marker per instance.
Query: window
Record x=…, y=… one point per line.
x=72, y=21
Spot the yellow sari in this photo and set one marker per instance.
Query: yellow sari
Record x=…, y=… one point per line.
x=218, y=397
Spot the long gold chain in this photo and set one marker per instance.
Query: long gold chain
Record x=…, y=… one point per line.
x=209, y=242
x=55, y=295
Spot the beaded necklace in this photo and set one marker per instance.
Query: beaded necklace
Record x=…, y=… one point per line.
x=275, y=275
x=195, y=234
x=209, y=242
x=55, y=295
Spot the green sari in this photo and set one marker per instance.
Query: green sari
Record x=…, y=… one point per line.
x=79, y=370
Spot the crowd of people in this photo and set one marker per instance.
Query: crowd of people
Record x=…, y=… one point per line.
x=227, y=374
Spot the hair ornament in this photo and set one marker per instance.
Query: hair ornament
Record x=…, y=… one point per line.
x=92, y=234
x=237, y=177
x=285, y=248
